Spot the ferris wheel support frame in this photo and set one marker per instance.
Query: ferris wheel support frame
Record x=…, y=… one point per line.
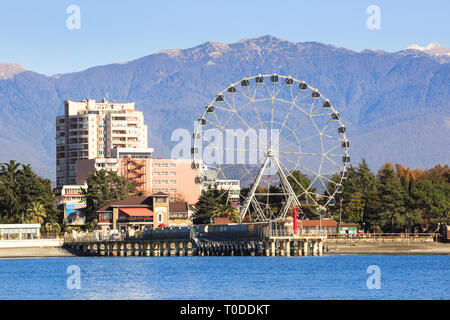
x=284, y=183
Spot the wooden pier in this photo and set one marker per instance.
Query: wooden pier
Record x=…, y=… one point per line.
x=271, y=246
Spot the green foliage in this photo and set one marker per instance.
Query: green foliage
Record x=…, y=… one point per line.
x=104, y=187
x=36, y=213
x=363, y=182
x=433, y=201
x=214, y=203
x=24, y=196
x=300, y=183
x=395, y=200
x=392, y=197
x=353, y=211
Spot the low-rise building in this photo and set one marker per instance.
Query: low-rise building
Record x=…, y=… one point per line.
x=209, y=179
x=180, y=214
x=348, y=229
x=69, y=198
x=137, y=213
x=19, y=231
x=314, y=226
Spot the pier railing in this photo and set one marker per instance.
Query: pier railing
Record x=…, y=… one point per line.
x=384, y=238
x=300, y=233
x=91, y=237
x=383, y=235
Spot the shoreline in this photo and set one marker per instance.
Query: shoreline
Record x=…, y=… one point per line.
x=416, y=249
x=431, y=248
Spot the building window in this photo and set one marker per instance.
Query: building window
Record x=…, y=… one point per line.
x=173, y=165
x=160, y=217
x=173, y=173
x=173, y=181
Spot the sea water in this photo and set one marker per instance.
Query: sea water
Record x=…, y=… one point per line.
x=326, y=277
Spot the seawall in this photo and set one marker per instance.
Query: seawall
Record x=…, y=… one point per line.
x=33, y=248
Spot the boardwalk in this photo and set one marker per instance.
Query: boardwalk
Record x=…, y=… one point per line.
x=238, y=240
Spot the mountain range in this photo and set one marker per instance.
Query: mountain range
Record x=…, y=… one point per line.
x=394, y=104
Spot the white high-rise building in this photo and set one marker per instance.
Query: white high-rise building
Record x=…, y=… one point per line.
x=90, y=129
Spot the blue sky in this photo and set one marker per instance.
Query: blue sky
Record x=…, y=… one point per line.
x=34, y=33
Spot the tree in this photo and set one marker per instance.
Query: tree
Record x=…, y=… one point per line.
x=225, y=210
x=214, y=203
x=362, y=181
x=36, y=213
x=20, y=187
x=354, y=210
x=104, y=187
x=432, y=200
x=391, y=196
x=299, y=183
x=10, y=203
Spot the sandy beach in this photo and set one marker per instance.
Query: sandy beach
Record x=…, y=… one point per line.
x=386, y=248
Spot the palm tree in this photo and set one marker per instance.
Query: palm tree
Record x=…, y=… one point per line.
x=225, y=211
x=36, y=213
x=9, y=173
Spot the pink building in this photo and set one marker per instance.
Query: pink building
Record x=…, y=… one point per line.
x=175, y=177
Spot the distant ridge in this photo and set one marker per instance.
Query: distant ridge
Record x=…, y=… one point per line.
x=395, y=104
x=9, y=70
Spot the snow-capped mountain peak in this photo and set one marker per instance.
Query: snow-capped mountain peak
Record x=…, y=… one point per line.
x=433, y=48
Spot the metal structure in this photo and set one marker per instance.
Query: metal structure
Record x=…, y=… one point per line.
x=279, y=136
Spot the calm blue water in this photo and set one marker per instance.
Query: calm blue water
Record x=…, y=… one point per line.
x=327, y=277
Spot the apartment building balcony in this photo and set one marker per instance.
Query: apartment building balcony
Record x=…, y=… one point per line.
x=73, y=127
x=119, y=132
x=73, y=147
x=118, y=118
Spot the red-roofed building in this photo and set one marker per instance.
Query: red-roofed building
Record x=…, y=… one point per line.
x=221, y=221
x=135, y=213
x=179, y=214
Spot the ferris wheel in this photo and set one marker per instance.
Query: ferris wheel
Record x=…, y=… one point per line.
x=280, y=138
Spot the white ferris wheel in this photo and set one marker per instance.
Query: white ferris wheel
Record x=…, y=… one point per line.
x=270, y=132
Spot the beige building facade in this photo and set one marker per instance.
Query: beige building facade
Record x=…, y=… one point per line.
x=90, y=129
